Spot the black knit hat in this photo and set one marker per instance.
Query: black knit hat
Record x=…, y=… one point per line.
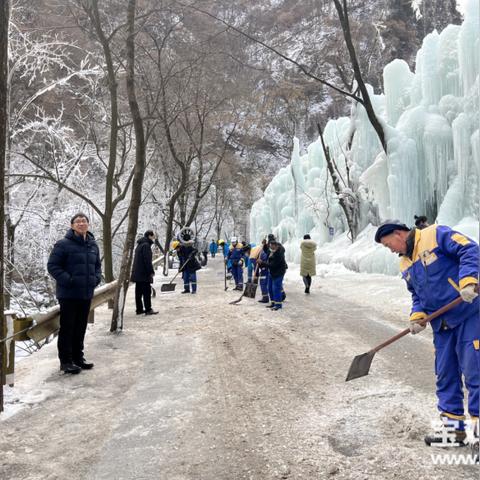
x=388, y=227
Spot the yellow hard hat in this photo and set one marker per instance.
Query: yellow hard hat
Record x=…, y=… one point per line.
x=221, y=241
x=175, y=244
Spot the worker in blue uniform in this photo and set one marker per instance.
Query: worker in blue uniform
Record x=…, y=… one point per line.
x=237, y=259
x=249, y=261
x=213, y=248
x=438, y=264
x=262, y=262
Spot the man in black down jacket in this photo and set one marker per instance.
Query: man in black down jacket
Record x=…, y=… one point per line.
x=75, y=265
x=277, y=267
x=143, y=273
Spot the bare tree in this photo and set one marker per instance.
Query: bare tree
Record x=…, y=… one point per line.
x=138, y=175
x=4, y=23
x=111, y=180
x=38, y=65
x=343, y=189
x=364, y=99
x=342, y=10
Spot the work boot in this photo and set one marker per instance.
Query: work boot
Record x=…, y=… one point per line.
x=450, y=434
x=140, y=313
x=151, y=312
x=307, y=290
x=84, y=365
x=271, y=305
x=276, y=307
x=185, y=291
x=263, y=300
x=70, y=368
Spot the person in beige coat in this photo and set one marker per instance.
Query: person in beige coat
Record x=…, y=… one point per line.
x=307, y=261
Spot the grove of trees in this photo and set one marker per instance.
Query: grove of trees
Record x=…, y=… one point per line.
x=163, y=113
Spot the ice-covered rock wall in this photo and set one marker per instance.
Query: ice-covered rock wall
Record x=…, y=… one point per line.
x=431, y=119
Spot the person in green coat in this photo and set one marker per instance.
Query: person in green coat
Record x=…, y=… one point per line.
x=307, y=261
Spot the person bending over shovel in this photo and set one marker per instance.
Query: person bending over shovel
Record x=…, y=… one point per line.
x=438, y=264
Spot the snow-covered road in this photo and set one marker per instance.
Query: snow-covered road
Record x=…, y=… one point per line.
x=212, y=391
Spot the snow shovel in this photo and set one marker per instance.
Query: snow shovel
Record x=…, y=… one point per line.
x=170, y=287
x=250, y=289
x=361, y=363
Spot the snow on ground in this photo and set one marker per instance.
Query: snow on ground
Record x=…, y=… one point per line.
x=364, y=255
x=30, y=389
x=384, y=293
x=212, y=391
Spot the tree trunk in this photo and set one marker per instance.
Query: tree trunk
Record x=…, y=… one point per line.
x=169, y=232
x=343, y=16
x=4, y=22
x=112, y=159
x=107, y=252
x=10, y=260
x=139, y=171
x=350, y=215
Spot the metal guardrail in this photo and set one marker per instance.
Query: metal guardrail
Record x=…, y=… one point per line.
x=40, y=326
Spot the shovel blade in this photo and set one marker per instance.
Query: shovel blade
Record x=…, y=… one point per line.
x=360, y=366
x=168, y=287
x=250, y=290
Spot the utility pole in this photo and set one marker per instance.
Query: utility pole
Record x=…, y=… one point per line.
x=4, y=21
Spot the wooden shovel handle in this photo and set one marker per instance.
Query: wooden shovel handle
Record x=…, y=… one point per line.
x=426, y=320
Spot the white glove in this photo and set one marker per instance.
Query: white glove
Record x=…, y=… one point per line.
x=468, y=293
x=415, y=328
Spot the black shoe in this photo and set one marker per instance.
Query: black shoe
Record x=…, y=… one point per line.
x=140, y=313
x=307, y=290
x=271, y=305
x=446, y=439
x=151, y=312
x=185, y=291
x=263, y=300
x=70, y=368
x=84, y=365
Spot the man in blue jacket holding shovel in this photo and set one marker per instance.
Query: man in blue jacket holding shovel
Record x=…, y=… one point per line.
x=439, y=264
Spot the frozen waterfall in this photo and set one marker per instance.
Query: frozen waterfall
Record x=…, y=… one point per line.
x=431, y=119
